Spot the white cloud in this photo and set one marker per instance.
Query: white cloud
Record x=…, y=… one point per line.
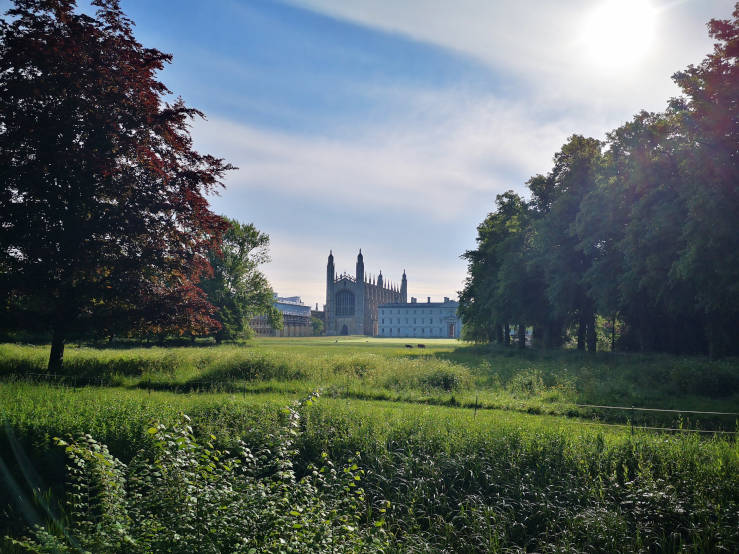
x=436, y=160
x=542, y=42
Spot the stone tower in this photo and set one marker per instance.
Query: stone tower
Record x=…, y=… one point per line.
x=360, y=267
x=352, y=301
x=330, y=279
x=360, y=294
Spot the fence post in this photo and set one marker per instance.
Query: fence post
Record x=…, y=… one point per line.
x=632, y=419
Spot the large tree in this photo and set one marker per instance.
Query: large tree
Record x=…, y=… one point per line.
x=237, y=287
x=562, y=259
x=104, y=214
x=710, y=169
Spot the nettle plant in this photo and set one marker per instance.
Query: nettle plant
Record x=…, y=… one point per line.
x=188, y=496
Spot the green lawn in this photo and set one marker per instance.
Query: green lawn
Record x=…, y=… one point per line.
x=446, y=372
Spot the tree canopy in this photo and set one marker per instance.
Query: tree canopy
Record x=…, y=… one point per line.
x=237, y=287
x=641, y=228
x=106, y=224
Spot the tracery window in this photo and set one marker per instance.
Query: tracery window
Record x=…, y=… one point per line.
x=344, y=303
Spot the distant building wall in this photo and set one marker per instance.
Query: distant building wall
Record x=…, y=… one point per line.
x=420, y=320
x=295, y=319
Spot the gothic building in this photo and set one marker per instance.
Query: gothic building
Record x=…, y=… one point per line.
x=351, y=302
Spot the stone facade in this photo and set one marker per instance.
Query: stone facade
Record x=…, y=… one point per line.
x=352, y=301
x=422, y=320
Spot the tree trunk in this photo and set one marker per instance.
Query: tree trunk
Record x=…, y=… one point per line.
x=521, y=336
x=592, y=335
x=581, y=329
x=56, y=356
x=537, y=336
x=499, y=334
x=507, y=334
x=613, y=333
x=717, y=335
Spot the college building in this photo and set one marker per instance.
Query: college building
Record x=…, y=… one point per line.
x=421, y=320
x=352, y=301
x=363, y=305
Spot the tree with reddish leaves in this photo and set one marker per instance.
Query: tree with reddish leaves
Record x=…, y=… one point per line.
x=105, y=222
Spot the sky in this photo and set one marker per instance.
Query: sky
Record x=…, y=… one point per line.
x=391, y=126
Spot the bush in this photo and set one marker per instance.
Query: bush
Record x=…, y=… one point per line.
x=526, y=383
x=189, y=496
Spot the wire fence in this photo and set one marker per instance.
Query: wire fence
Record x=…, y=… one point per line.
x=636, y=409
x=199, y=386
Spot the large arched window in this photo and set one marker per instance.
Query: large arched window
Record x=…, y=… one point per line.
x=344, y=303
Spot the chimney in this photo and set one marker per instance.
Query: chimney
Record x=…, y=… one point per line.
x=413, y=300
x=428, y=300
x=446, y=299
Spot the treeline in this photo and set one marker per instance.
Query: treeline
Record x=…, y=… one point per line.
x=639, y=230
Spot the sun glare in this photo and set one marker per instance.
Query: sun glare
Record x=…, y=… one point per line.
x=618, y=33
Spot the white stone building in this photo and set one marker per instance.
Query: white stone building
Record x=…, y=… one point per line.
x=429, y=320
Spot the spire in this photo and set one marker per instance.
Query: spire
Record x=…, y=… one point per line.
x=360, y=267
x=330, y=273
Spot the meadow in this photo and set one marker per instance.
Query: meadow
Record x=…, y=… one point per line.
x=460, y=448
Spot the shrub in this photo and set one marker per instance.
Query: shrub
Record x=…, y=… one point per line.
x=526, y=383
x=189, y=496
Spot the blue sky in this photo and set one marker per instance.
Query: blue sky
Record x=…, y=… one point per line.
x=391, y=126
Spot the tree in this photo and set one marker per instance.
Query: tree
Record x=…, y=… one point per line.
x=105, y=219
x=237, y=288
x=499, y=289
x=317, y=325
x=710, y=165
x=561, y=257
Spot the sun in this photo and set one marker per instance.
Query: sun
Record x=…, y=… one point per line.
x=618, y=33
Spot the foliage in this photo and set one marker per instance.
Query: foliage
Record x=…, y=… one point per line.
x=237, y=288
x=317, y=325
x=189, y=496
x=640, y=228
x=105, y=221
x=500, y=481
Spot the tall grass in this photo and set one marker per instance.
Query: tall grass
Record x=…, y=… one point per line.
x=456, y=480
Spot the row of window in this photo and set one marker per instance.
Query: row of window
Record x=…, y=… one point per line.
x=424, y=331
x=388, y=311
x=415, y=322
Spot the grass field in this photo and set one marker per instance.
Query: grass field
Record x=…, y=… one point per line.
x=475, y=448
